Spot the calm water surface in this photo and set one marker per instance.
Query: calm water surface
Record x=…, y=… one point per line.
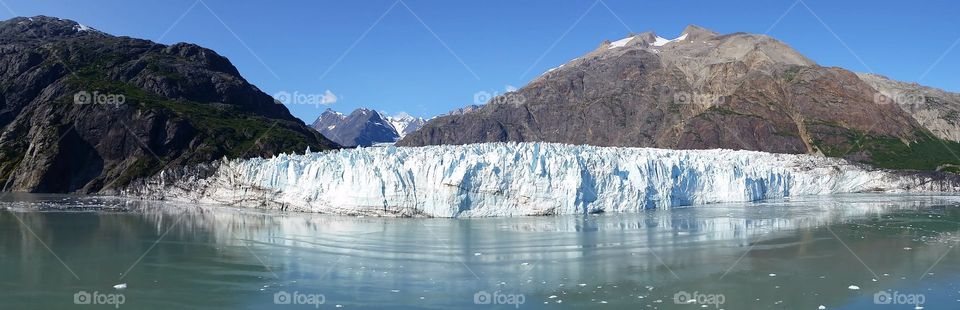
x=792, y=254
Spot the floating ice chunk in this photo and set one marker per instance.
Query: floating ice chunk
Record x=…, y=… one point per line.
x=853, y=287
x=120, y=286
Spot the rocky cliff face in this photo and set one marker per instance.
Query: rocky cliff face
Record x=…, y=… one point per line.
x=701, y=90
x=84, y=111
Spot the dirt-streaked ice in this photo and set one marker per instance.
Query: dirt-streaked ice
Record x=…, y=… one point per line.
x=504, y=179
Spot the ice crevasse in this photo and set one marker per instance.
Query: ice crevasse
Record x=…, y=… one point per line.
x=506, y=179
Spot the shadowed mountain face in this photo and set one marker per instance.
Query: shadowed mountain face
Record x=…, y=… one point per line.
x=701, y=90
x=84, y=111
x=365, y=127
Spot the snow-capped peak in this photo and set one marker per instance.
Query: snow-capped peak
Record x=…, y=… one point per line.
x=330, y=111
x=405, y=123
x=402, y=116
x=658, y=41
x=366, y=126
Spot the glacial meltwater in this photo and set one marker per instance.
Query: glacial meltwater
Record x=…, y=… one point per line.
x=859, y=251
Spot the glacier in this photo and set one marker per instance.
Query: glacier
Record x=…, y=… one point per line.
x=516, y=179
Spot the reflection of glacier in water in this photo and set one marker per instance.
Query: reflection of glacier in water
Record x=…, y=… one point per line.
x=626, y=260
x=501, y=179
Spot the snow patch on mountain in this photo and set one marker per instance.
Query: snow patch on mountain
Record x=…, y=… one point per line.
x=658, y=41
x=620, y=43
x=404, y=123
x=512, y=179
x=661, y=41
x=82, y=27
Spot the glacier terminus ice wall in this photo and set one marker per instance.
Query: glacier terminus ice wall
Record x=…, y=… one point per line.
x=509, y=179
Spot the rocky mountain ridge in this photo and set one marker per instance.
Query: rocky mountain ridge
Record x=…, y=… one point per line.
x=84, y=111
x=701, y=90
x=365, y=127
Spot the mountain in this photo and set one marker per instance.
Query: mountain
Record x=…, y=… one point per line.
x=365, y=127
x=84, y=111
x=405, y=124
x=701, y=90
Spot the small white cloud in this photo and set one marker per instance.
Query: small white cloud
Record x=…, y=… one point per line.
x=328, y=97
x=511, y=88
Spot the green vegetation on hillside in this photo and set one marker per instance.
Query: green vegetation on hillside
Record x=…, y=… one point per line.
x=227, y=130
x=927, y=153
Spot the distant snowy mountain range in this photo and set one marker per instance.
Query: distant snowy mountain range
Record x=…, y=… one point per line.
x=365, y=127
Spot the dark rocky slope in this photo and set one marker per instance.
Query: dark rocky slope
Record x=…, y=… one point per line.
x=699, y=91
x=182, y=105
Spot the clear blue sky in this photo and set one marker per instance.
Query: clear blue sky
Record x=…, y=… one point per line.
x=436, y=58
